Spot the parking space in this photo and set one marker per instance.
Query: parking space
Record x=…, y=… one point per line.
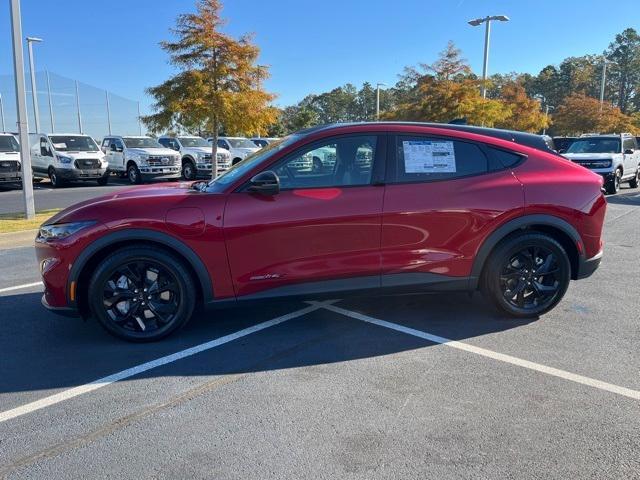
x=359, y=388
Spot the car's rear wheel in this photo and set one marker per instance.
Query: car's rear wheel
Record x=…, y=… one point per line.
x=133, y=173
x=527, y=275
x=613, y=184
x=188, y=170
x=141, y=294
x=635, y=181
x=56, y=181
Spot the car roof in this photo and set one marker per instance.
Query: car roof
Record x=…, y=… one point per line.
x=523, y=138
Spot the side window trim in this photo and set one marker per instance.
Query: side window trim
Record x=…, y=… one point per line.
x=393, y=160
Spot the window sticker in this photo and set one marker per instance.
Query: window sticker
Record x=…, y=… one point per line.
x=425, y=156
x=59, y=145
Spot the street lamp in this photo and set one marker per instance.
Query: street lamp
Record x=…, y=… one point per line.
x=603, y=82
x=34, y=93
x=487, y=33
x=378, y=85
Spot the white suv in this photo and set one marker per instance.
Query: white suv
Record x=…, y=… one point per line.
x=10, y=167
x=615, y=157
x=196, y=155
x=67, y=157
x=239, y=147
x=141, y=159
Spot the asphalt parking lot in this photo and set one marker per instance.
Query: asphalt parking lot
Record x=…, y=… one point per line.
x=436, y=386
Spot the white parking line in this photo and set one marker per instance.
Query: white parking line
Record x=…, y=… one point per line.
x=20, y=287
x=626, y=392
x=130, y=372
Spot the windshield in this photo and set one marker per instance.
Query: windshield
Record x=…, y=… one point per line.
x=73, y=143
x=241, y=143
x=595, y=145
x=8, y=144
x=194, y=142
x=249, y=163
x=141, y=142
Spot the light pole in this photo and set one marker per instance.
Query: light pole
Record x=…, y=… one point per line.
x=378, y=85
x=4, y=129
x=487, y=33
x=21, y=103
x=34, y=91
x=604, y=79
x=546, y=114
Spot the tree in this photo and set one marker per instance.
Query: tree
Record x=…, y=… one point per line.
x=219, y=85
x=581, y=114
x=443, y=91
x=624, y=71
x=524, y=112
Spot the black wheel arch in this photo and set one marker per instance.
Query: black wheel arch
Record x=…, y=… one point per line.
x=561, y=230
x=96, y=251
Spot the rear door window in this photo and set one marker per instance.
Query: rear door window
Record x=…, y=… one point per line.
x=424, y=158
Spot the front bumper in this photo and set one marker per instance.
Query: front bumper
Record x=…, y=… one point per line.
x=75, y=174
x=205, y=170
x=62, y=311
x=160, y=173
x=587, y=266
x=10, y=177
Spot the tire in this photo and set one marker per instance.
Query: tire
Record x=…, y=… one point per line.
x=145, y=312
x=133, y=173
x=189, y=171
x=56, y=182
x=511, y=277
x=635, y=181
x=103, y=180
x=613, y=186
x=316, y=166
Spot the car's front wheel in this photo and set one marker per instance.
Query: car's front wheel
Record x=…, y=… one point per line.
x=613, y=184
x=141, y=294
x=527, y=275
x=635, y=181
x=134, y=174
x=56, y=182
x=189, y=170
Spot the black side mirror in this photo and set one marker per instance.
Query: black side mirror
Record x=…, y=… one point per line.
x=265, y=183
x=628, y=151
x=562, y=150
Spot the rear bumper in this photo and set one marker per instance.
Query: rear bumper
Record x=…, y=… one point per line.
x=587, y=266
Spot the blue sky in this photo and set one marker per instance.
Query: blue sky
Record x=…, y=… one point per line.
x=312, y=46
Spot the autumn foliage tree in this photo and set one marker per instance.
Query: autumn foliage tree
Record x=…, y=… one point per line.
x=218, y=85
x=524, y=112
x=582, y=114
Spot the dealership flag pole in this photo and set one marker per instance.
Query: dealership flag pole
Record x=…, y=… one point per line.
x=21, y=102
x=4, y=129
x=53, y=125
x=106, y=94
x=78, y=107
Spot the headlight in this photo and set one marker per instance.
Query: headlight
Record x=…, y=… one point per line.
x=63, y=159
x=59, y=231
x=141, y=158
x=199, y=156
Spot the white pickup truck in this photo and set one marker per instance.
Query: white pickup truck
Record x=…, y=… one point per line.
x=10, y=164
x=196, y=155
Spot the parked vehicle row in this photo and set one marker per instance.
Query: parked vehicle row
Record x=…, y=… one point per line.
x=195, y=155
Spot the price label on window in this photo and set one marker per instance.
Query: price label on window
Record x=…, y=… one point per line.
x=426, y=156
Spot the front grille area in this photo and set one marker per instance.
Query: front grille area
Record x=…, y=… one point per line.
x=593, y=163
x=9, y=166
x=87, y=163
x=161, y=161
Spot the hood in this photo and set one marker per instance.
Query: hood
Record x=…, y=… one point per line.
x=589, y=156
x=153, y=151
x=75, y=155
x=15, y=156
x=204, y=150
x=141, y=197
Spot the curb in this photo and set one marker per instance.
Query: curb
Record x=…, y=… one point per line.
x=11, y=240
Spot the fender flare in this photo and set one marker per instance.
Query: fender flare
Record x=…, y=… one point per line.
x=135, y=234
x=512, y=226
x=187, y=157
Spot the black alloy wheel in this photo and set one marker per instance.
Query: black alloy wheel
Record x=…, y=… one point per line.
x=528, y=275
x=141, y=294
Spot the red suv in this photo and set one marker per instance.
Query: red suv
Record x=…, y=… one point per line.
x=392, y=207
